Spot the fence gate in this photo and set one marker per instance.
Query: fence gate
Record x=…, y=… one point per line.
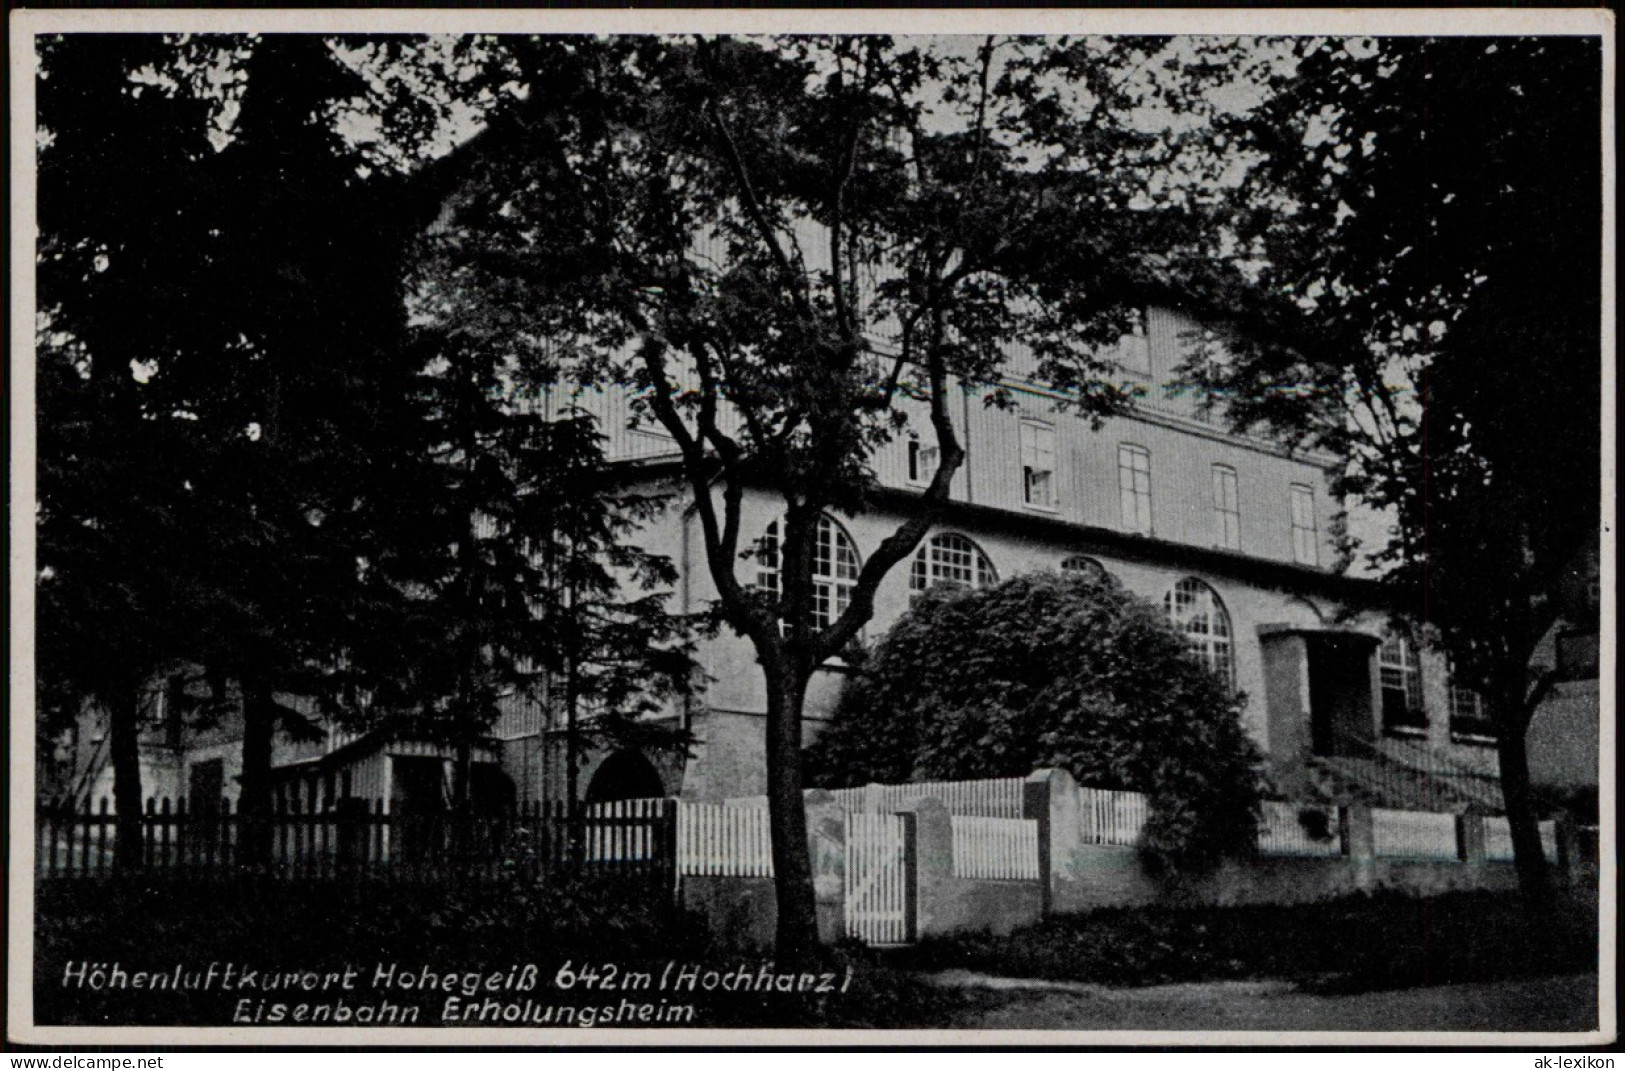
x=878, y=907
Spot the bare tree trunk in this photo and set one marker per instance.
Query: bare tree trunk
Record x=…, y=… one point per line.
x=1529, y=858
x=797, y=936
x=576, y=829
x=254, y=804
x=124, y=749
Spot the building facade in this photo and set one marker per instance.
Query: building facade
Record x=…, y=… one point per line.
x=1235, y=537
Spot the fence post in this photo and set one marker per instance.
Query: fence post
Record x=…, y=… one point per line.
x=1053, y=799
x=1038, y=803
x=911, y=875
x=1567, y=835
x=929, y=832
x=666, y=845
x=101, y=834
x=1470, y=838
x=149, y=831
x=1359, y=842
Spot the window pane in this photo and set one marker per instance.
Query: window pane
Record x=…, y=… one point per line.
x=1399, y=669
x=1195, y=609
x=1083, y=566
x=1134, y=487
x=835, y=568
x=950, y=558
x=1226, y=507
x=1305, y=544
x=1038, y=463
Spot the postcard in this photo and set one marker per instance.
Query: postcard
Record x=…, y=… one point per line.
x=818, y=528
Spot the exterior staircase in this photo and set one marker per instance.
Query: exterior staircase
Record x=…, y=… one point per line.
x=1403, y=775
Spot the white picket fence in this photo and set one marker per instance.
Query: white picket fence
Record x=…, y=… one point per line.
x=1498, y=840
x=1111, y=816
x=1001, y=849
x=998, y=797
x=1281, y=830
x=1413, y=835
x=721, y=840
x=634, y=842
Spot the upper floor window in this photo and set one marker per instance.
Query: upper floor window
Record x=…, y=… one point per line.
x=922, y=461
x=1038, y=464
x=1226, y=508
x=1196, y=610
x=1084, y=566
x=1305, y=541
x=950, y=558
x=1134, y=487
x=835, y=568
x=1467, y=714
x=1400, y=668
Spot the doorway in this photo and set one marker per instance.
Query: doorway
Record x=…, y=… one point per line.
x=1341, y=714
x=625, y=775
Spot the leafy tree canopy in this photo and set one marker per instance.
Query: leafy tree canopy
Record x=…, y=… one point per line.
x=1049, y=670
x=789, y=249
x=1429, y=309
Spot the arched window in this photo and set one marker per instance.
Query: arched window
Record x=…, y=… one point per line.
x=835, y=568
x=1084, y=566
x=1196, y=610
x=950, y=558
x=1401, y=671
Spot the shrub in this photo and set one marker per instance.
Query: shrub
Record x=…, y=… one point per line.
x=1050, y=670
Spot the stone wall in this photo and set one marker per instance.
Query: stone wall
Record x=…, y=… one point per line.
x=1077, y=876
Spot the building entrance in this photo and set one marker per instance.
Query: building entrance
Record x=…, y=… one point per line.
x=1341, y=720
x=625, y=775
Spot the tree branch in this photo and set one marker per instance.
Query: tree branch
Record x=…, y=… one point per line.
x=747, y=189
x=897, y=546
x=721, y=537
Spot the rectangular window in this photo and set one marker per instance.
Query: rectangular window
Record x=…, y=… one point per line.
x=1134, y=487
x=1401, y=671
x=1226, y=508
x=1468, y=717
x=922, y=461
x=1305, y=541
x=1038, y=464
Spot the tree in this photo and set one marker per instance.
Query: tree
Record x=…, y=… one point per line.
x=523, y=577
x=225, y=396
x=245, y=286
x=784, y=246
x=1049, y=670
x=112, y=577
x=1429, y=302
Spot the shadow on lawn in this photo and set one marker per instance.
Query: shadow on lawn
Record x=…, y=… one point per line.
x=1383, y=941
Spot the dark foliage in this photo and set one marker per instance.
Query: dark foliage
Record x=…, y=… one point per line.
x=793, y=249
x=1054, y=670
x=1430, y=297
x=248, y=460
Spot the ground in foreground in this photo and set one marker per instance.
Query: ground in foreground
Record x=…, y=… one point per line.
x=1565, y=1003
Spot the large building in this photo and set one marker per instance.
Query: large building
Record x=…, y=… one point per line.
x=1234, y=536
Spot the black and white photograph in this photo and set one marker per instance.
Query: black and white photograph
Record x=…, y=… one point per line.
x=546, y=528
